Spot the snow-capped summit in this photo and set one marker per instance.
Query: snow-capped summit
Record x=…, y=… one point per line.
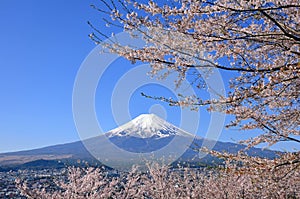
x=147, y=126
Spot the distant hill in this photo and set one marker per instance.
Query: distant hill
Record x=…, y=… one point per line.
x=42, y=164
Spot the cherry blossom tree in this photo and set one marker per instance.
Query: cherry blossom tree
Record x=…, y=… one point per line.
x=164, y=182
x=259, y=40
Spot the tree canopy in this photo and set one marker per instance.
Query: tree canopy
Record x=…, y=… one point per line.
x=260, y=40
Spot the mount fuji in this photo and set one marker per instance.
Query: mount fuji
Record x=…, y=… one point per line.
x=145, y=134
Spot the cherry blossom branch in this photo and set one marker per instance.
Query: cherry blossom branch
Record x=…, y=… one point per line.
x=280, y=26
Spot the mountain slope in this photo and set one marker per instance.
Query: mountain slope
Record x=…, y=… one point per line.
x=145, y=134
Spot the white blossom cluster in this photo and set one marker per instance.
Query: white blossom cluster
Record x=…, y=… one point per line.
x=162, y=182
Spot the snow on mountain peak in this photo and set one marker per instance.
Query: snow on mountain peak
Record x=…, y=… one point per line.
x=146, y=126
x=147, y=120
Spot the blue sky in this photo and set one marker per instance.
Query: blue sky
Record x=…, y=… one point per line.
x=43, y=44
